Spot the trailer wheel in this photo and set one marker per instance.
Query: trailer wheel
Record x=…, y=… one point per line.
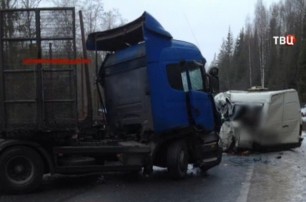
x=21, y=170
x=177, y=160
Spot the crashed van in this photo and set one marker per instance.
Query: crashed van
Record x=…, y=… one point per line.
x=253, y=120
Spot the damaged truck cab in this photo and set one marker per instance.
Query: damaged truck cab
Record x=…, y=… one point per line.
x=156, y=89
x=152, y=81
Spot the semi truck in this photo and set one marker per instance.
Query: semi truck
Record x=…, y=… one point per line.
x=154, y=97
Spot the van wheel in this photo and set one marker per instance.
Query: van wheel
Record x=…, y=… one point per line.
x=177, y=160
x=231, y=147
x=21, y=170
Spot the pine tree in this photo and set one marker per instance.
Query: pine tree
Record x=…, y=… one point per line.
x=239, y=63
x=224, y=61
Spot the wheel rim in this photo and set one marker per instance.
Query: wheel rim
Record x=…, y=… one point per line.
x=19, y=170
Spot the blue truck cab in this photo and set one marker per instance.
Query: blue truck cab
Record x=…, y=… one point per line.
x=156, y=91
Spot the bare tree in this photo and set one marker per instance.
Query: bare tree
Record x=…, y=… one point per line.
x=65, y=3
x=96, y=18
x=261, y=23
x=7, y=4
x=112, y=19
x=249, y=35
x=93, y=11
x=29, y=3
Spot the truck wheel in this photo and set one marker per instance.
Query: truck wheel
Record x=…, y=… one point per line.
x=177, y=160
x=21, y=170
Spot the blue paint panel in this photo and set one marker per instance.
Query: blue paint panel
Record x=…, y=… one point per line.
x=169, y=105
x=202, y=109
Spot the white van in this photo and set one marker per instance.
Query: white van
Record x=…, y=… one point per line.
x=267, y=119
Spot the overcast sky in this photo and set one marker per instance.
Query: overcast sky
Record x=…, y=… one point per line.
x=202, y=22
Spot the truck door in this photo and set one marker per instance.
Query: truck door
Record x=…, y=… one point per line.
x=200, y=104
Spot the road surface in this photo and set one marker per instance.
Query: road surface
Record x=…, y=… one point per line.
x=276, y=176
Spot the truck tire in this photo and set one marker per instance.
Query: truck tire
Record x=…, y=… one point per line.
x=21, y=170
x=177, y=160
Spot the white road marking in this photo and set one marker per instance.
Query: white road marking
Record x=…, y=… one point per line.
x=243, y=196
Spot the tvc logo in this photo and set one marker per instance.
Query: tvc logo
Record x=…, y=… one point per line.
x=288, y=40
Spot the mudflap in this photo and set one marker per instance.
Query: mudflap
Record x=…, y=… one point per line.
x=209, y=152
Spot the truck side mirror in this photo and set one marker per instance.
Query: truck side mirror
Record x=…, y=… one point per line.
x=214, y=71
x=214, y=79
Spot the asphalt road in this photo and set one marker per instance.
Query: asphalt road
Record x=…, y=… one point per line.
x=277, y=176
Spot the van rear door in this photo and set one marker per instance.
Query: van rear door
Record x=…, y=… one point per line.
x=291, y=118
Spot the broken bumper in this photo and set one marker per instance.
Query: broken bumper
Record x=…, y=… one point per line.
x=210, y=151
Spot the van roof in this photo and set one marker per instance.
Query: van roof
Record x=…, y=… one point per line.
x=249, y=96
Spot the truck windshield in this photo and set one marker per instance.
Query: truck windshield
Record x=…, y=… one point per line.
x=178, y=77
x=195, y=75
x=196, y=79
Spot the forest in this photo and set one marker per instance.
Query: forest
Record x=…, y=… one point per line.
x=253, y=59
x=250, y=59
